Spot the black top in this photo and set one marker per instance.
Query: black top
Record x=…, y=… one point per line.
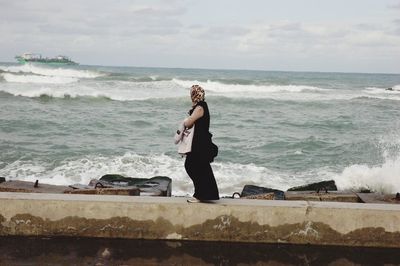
x=202, y=137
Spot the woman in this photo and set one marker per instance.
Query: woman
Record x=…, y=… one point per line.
x=197, y=162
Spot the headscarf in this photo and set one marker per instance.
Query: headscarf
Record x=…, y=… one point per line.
x=197, y=94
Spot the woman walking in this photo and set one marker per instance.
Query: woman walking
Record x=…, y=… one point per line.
x=197, y=162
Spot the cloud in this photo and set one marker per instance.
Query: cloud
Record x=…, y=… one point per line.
x=396, y=30
x=90, y=17
x=169, y=33
x=394, y=6
x=290, y=44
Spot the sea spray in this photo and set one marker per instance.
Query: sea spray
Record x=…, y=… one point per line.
x=384, y=178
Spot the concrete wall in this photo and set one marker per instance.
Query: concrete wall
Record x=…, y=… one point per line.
x=299, y=222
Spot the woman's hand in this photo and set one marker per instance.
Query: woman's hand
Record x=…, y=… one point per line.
x=198, y=112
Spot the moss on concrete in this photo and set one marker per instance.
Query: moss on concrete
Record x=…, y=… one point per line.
x=222, y=228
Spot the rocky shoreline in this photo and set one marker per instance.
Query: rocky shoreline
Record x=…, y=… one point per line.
x=161, y=186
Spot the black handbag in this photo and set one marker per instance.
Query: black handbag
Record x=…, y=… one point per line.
x=213, y=152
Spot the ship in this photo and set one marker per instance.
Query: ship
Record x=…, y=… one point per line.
x=37, y=58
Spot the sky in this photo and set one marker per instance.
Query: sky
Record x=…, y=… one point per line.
x=288, y=35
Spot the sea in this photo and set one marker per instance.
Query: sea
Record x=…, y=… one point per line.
x=67, y=125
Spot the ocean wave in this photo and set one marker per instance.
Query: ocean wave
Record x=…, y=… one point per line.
x=377, y=90
x=382, y=178
x=231, y=177
x=223, y=88
x=50, y=92
x=50, y=71
x=129, y=88
x=17, y=78
x=114, y=90
x=381, y=93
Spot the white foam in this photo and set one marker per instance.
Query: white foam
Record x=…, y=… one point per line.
x=37, y=79
x=376, y=90
x=117, y=90
x=49, y=71
x=384, y=178
x=230, y=177
x=124, y=90
x=221, y=88
x=382, y=93
x=272, y=91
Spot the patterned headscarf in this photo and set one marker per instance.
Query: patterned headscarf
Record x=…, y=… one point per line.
x=197, y=94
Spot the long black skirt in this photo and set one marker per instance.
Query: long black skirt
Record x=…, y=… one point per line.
x=201, y=173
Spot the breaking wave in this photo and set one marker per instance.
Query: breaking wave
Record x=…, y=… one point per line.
x=118, y=91
x=383, y=178
x=50, y=71
x=34, y=81
x=33, y=74
x=223, y=88
x=38, y=79
x=230, y=177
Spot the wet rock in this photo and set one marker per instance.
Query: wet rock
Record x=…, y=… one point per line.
x=319, y=186
x=155, y=186
x=251, y=190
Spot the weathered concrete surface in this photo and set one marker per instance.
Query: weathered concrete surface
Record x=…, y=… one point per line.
x=28, y=187
x=300, y=222
x=331, y=196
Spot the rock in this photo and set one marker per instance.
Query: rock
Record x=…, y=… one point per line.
x=324, y=186
x=29, y=187
x=265, y=196
x=107, y=191
x=2, y=179
x=251, y=190
x=314, y=196
x=379, y=198
x=155, y=186
x=302, y=195
x=365, y=190
x=339, y=197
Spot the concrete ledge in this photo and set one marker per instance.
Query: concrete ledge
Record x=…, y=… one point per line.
x=263, y=221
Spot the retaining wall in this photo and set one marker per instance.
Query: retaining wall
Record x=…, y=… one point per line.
x=237, y=220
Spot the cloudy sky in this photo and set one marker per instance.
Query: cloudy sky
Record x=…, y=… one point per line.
x=308, y=35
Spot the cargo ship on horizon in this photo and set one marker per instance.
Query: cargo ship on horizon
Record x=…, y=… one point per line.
x=37, y=58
